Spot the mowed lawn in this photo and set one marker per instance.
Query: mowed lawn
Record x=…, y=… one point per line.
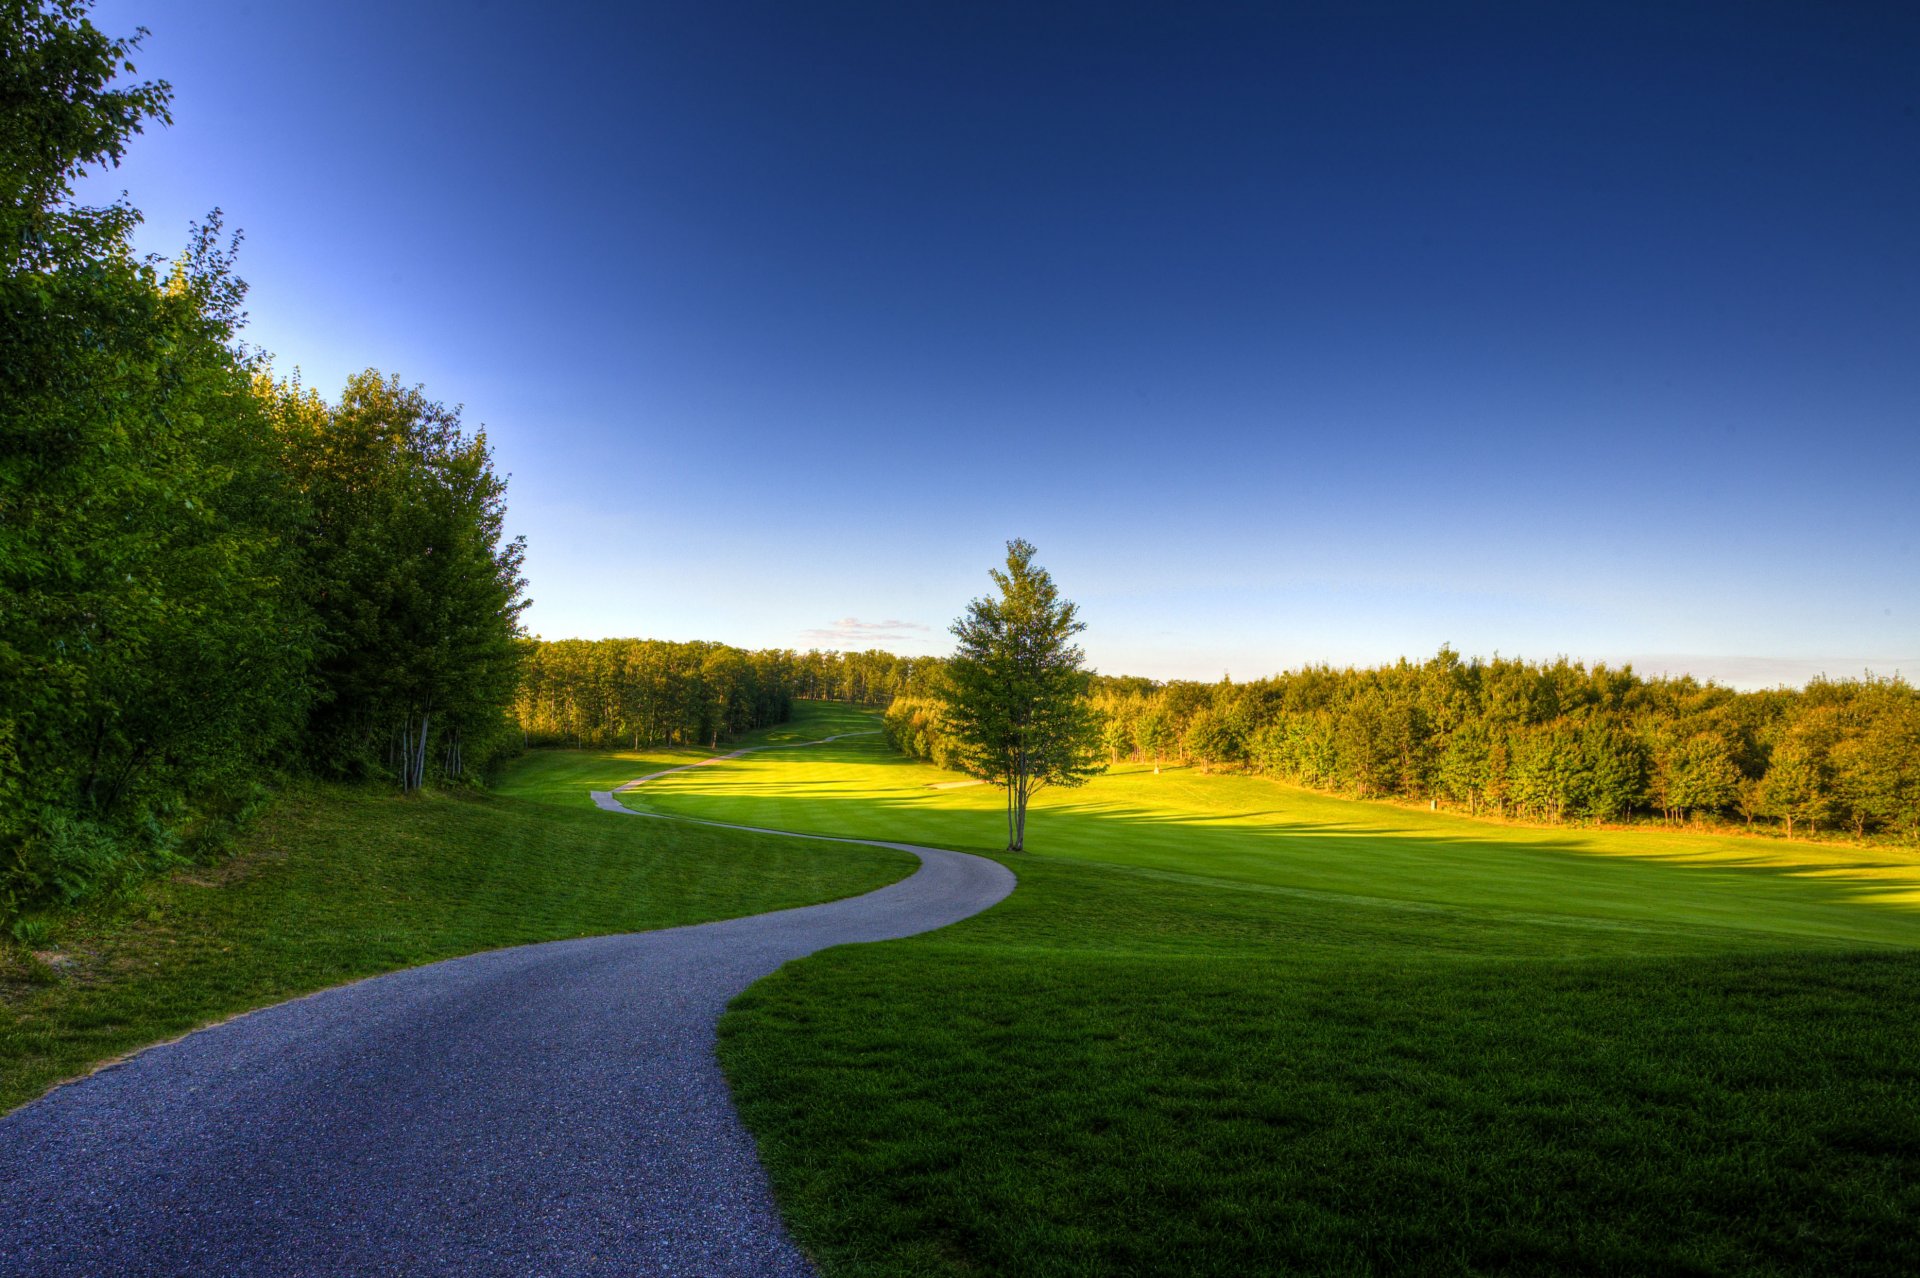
x=1227, y=1027
x=336, y=883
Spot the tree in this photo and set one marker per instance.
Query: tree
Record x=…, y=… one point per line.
x=1466, y=764
x=1796, y=785
x=59, y=115
x=1616, y=769
x=1366, y=746
x=152, y=657
x=1017, y=703
x=417, y=590
x=1150, y=737
x=1704, y=775
x=1210, y=738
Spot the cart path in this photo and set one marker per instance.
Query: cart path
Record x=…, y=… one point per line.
x=547, y=1109
x=722, y=758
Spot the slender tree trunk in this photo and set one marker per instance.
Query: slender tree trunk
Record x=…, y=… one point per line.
x=416, y=756
x=406, y=757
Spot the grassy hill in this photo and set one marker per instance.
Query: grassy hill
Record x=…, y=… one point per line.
x=336, y=884
x=1229, y=1027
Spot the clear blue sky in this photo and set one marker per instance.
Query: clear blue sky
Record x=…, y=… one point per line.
x=1288, y=333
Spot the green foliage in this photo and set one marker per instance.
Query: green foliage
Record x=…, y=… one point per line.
x=1552, y=742
x=1015, y=707
x=151, y=654
x=604, y=692
x=1211, y=739
x=871, y=678
x=1704, y=775
x=185, y=563
x=59, y=115
x=917, y=726
x=416, y=589
x=1150, y=735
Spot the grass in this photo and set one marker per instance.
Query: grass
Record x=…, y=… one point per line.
x=1229, y=1027
x=336, y=884
x=1223, y=1026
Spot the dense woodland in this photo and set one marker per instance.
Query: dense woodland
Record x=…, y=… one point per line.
x=206, y=574
x=1552, y=741
x=636, y=692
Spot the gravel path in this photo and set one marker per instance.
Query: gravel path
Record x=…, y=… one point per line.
x=544, y=1110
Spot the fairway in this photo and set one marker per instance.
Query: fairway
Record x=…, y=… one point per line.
x=1610, y=889
x=1227, y=1026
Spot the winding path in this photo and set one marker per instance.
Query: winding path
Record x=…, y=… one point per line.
x=547, y=1109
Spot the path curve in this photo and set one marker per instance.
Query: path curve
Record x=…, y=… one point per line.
x=546, y=1109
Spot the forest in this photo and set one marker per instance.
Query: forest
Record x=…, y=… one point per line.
x=640, y=692
x=1553, y=741
x=207, y=575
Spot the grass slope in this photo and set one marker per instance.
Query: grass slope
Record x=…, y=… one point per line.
x=336, y=884
x=1227, y=1027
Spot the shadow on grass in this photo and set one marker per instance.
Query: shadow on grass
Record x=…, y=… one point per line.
x=1805, y=889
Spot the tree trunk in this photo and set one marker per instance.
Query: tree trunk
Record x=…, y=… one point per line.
x=415, y=773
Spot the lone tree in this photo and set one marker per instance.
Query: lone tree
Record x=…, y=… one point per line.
x=1016, y=699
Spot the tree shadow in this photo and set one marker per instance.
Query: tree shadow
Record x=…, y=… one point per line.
x=1796, y=889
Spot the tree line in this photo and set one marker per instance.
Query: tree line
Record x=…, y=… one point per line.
x=639, y=692
x=869, y=678
x=206, y=574
x=1552, y=741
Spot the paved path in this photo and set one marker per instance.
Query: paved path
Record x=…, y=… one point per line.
x=544, y=1110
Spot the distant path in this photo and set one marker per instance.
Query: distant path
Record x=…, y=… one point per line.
x=544, y=1110
x=722, y=758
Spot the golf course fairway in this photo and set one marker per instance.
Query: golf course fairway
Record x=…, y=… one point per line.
x=1226, y=1026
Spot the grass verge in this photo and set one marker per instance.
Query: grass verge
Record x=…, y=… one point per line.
x=335, y=884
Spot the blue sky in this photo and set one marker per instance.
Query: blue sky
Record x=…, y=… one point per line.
x=1288, y=333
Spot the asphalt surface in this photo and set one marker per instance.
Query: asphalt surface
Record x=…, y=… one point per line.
x=548, y=1109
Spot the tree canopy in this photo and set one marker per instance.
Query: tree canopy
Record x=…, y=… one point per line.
x=1015, y=702
x=1547, y=741
x=205, y=576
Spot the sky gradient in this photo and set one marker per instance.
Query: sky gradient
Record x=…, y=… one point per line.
x=1287, y=334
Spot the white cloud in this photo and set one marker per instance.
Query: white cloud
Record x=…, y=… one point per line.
x=852, y=631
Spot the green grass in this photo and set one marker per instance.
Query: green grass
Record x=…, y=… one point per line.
x=336, y=884
x=1229, y=1027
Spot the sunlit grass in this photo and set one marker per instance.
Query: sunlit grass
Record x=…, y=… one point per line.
x=1228, y=1027
x=1244, y=829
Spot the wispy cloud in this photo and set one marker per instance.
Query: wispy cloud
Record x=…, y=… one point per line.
x=854, y=631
